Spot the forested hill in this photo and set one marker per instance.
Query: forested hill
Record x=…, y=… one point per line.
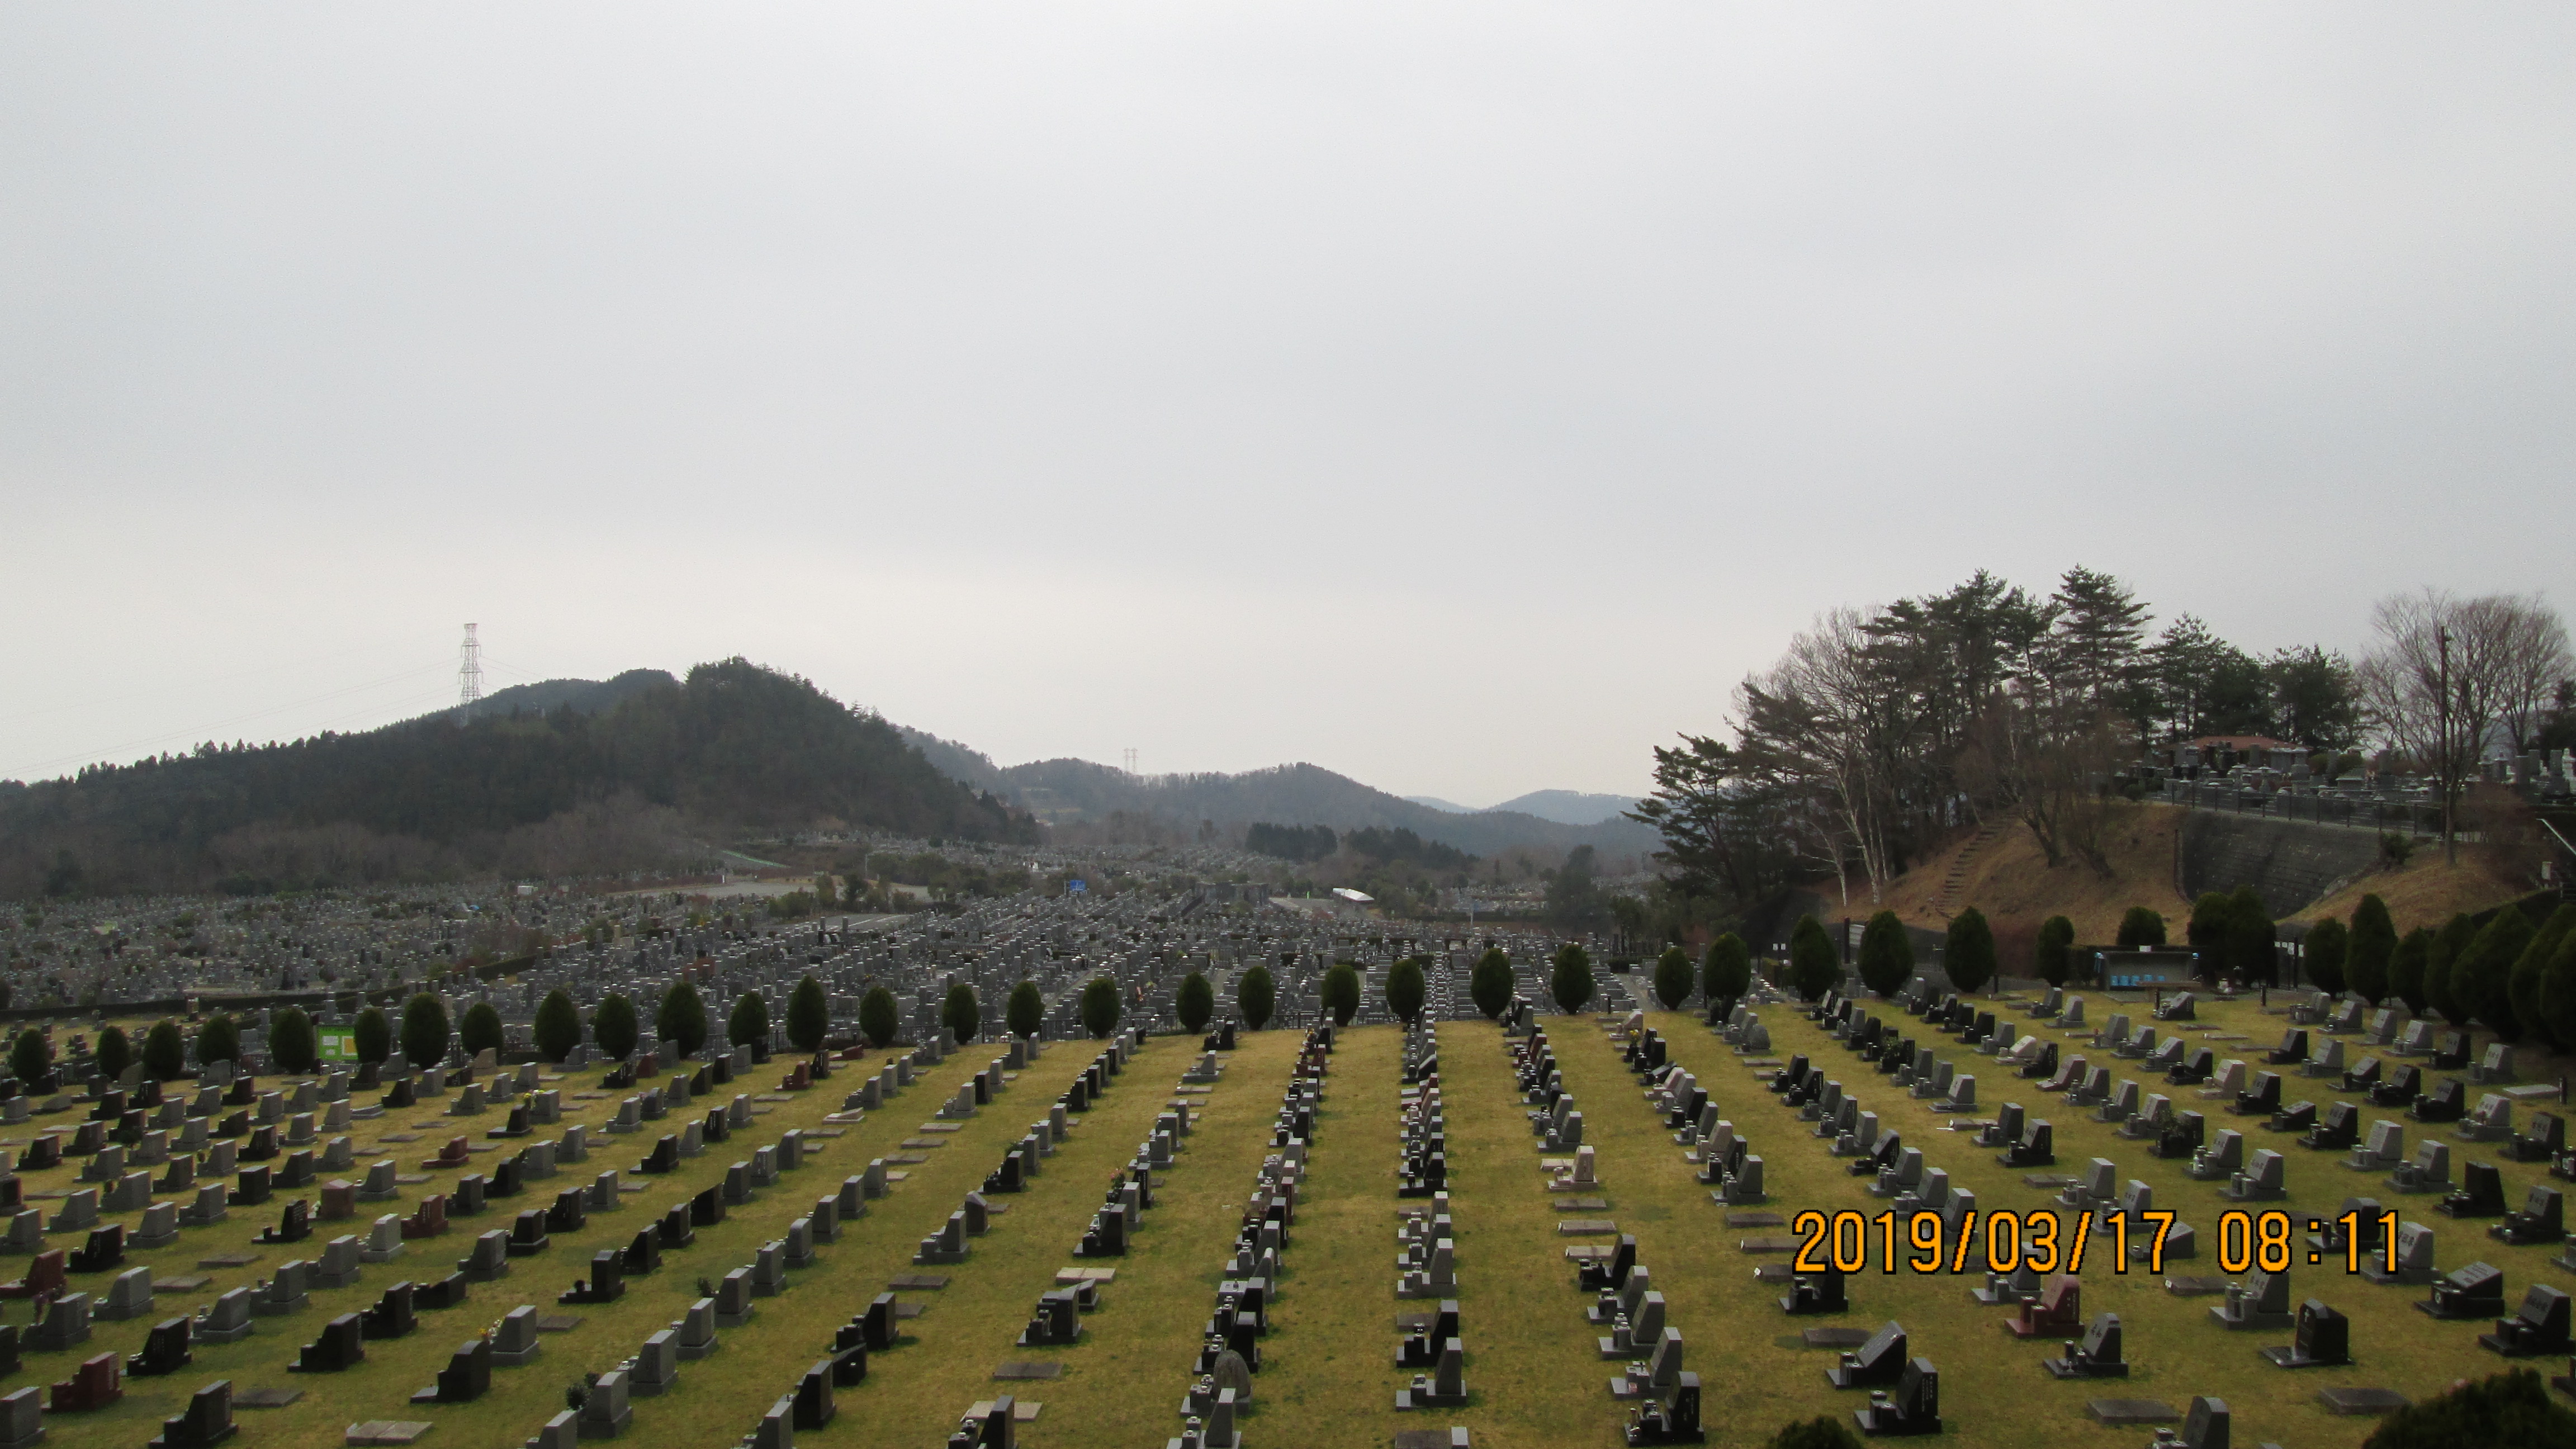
x=734, y=745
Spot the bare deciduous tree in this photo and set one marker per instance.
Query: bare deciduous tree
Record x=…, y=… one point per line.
x=2449, y=673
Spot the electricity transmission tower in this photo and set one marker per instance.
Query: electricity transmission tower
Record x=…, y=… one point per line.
x=469, y=676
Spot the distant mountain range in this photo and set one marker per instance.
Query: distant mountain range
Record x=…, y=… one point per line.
x=1565, y=807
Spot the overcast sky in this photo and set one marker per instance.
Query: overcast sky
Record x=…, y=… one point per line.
x=1460, y=397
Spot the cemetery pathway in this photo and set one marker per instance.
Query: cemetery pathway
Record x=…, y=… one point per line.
x=1328, y=1365
x=719, y=1399
x=1532, y=1370
x=1123, y=1384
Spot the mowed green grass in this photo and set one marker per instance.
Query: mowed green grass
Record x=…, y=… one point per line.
x=1757, y=1375
x=720, y=1397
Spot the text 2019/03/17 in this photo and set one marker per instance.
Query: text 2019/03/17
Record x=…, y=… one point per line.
x=2043, y=1242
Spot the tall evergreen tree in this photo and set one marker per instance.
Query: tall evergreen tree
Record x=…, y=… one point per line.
x=1341, y=992
x=1025, y=1012
x=165, y=1051
x=1725, y=972
x=878, y=1018
x=1570, y=979
x=1813, y=967
x=372, y=1036
x=615, y=1026
x=682, y=1019
x=961, y=1013
x=809, y=1016
x=116, y=1051
x=1886, y=954
x=1406, y=988
x=291, y=1042
x=30, y=1058
x=2053, y=959
x=2441, y=987
x=1673, y=978
x=2368, y=950
x=218, y=1040
x=2482, y=976
x=1256, y=996
x=1490, y=984
x=1969, y=952
x=2531, y=970
x=557, y=1029
x=748, y=1023
x=2407, y=966
x=1100, y=1006
x=425, y=1031
x=480, y=1029
x=2251, y=938
x=2324, y=953
x=1194, y=1002
x=2558, y=990
x=2140, y=926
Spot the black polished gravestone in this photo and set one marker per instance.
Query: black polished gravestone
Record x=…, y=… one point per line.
x=2096, y=1356
x=467, y=1377
x=606, y=1283
x=1672, y=1420
x=2323, y=1340
x=207, y=1421
x=447, y=1292
x=2539, y=1327
x=340, y=1347
x=391, y=1316
x=1881, y=1360
x=166, y=1351
x=644, y=1254
x=1816, y=1293
x=1914, y=1408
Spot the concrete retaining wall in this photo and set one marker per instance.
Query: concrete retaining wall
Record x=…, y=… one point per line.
x=2289, y=865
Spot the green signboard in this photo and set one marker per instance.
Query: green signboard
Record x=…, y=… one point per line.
x=338, y=1045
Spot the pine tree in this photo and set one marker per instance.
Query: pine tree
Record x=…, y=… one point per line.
x=1490, y=984
x=2531, y=971
x=424, y=1031
x=1814, y=968
x=1342, y=992
x=961, y=1013
x=2141, y=926
x=1886, y=954
x=1100, y=1006
x=682, y=1019
x=557, y=1029
x=1256, y=996
x=1969, y=952
x=1407, y=987
x=1025, y=1012
x=2368, y=949
x=748, y=1024
x=615, y=1026
x=2054, y=958
x=1725, y=973
x=2558, y=990
x=878, y=1018
x=1570, y=978
x=2441, y=986
x=30, y=1057
x=480, y=1029
x=809, y=1016
x=1673, y=978
x=165, y=1051
x=2324, y=952
x=372, y=1037
x=218, y=1040
x=291, y=1043
x=116, y=1051
x=2482, y=976
x=2407, y=966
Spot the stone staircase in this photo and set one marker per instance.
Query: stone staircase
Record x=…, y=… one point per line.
x=1955, y=884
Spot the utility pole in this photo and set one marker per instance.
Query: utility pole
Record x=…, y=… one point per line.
x=2442, y=731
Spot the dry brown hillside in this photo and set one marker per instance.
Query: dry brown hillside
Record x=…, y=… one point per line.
x=2009, y=879
x=2427, y=892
